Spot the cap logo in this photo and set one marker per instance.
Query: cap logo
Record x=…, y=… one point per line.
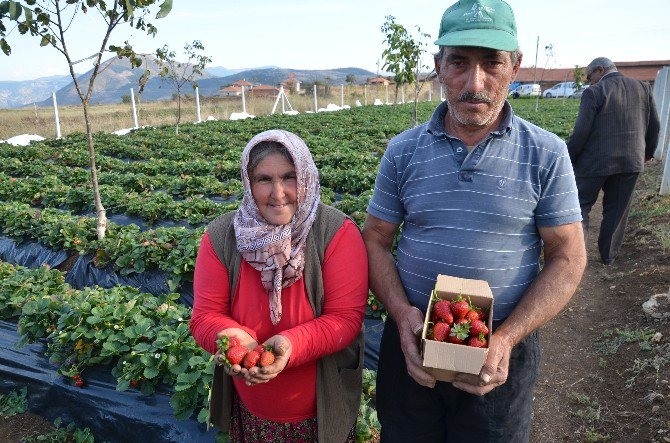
x=479, y=13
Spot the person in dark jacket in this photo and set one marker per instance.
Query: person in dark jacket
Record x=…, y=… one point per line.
x=616, y=132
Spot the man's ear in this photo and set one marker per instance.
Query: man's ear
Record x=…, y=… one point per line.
x=436, y=60
x=517, y=65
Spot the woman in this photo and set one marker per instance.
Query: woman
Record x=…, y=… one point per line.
x=286, y=271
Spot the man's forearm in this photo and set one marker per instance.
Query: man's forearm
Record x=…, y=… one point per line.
x=547, y=295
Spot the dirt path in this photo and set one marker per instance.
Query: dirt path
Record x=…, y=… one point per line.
x=581, y=393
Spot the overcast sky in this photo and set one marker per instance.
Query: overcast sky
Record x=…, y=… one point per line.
x=303, y=34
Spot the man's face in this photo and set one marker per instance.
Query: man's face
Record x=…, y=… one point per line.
x=477, y=81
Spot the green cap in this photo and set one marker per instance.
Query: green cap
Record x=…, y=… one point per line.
x=482, y=23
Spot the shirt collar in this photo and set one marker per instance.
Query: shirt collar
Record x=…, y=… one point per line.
x=436, y=122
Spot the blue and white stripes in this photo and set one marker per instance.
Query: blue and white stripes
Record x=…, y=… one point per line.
x=474, y=215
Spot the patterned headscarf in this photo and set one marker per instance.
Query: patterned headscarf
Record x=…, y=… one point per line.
x=278, y=252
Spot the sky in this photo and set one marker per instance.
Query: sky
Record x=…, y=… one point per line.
x=304, y=34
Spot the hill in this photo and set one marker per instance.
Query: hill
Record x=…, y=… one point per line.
x=26, y=92
x=117, y=77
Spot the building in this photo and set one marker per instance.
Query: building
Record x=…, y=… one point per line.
x=642, y=70
x=230, y=91
x=379, y=81
x=291, y=84
x=243, y=84
x=264, y=91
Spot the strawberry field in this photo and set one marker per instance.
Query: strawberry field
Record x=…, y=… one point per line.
x=160, y=191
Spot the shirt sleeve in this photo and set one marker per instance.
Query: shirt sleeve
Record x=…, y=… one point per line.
x=345, y=284
x=653, y=129
x=559, y=202
x=588, y=108
x=385, y=203
x=211, y=298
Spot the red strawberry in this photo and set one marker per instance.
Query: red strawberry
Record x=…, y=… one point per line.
x=477, y=342
x=478, y=327
x=473, y=314
x=260, y=349
x=459, y=333
x=236, y=354
x=267, y=358
x=460, y=307
x=233, y=341
x=443, y=311
x=79, y=383
x=482, y=315
x=251, y=359
x=133, y=383
x=441, y=331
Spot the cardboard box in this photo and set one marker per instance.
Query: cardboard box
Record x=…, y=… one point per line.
x=445, y=360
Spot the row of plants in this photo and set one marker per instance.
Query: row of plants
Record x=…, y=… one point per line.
x=145, y=339
x=151, y=206
x=130, y=250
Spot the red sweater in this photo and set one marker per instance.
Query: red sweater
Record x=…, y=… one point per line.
x=291, y=396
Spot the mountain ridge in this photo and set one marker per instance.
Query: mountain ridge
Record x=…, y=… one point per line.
x=116, y=77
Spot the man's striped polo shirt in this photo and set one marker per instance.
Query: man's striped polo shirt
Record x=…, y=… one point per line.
x=474, y=215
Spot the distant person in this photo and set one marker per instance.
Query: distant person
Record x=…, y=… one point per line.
x=289, y=272
x=615, y=133
x=480, y=193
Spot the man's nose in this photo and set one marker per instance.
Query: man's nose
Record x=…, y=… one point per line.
x=476, y=78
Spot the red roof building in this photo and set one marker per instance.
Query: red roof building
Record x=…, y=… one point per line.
x=264, y=91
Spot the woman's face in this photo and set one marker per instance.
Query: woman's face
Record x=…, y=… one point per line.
x=274, y=187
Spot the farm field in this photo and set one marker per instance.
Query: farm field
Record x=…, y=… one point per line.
x=113, y=117
x=160, y=190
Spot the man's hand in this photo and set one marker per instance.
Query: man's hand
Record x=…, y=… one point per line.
x=282, y=349
x=493, y=373
x=410, y=325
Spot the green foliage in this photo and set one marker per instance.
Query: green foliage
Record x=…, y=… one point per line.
x=367, y=425
x=68, y=434
x=402, y=55
x=578, y=76
x=613, y=339
x=14, y=403
x=179, y=74
x=144, y=338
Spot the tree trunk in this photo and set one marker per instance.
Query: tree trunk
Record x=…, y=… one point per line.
x=99, y=209
x=416, y=102
x=178, y=111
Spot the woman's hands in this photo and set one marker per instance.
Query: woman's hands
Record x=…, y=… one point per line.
x=245, y=339
x=282, y=349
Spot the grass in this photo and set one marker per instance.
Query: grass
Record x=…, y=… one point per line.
x=613, y=339
x=112, y=117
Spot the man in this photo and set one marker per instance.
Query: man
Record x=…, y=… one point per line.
x=479, y=193
x=615, y=133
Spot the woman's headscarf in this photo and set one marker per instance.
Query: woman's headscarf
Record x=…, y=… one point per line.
x=278, y=252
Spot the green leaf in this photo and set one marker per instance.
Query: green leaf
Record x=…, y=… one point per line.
x=45, y=40
x=5, y=47
x=14, y=10
x=150, y=372
x=166, y=7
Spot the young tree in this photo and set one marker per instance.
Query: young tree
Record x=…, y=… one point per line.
x=50, y=20
x=180, y=74
x=578, y=75
x=402, y=56
x=350, y=79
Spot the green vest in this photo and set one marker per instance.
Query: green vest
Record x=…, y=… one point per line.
x=338, y=375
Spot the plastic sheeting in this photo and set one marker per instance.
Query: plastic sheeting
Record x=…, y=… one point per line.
x=30, y=254
x=111, y=415
x=374, y=327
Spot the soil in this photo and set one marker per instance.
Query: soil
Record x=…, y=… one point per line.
x=589, y=389
x=586, y=392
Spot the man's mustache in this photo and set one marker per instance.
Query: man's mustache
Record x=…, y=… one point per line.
x=480, y=97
